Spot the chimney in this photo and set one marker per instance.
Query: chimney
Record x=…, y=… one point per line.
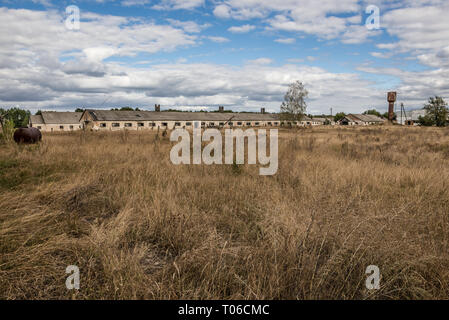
x=157, y=107
x=220, y=109
x=262, y=110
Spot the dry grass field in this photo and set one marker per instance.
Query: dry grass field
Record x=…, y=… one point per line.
x=139, y=227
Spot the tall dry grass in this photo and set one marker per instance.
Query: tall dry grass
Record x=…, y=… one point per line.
x=139, y=227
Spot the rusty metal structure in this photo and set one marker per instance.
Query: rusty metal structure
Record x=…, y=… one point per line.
x=391, y=97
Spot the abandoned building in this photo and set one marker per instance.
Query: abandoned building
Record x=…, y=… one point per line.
x=142, y=120
x=50, y=121
x=410, y=118
x=360, y=119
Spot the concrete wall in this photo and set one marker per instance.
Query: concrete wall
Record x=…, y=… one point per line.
x=57, y=127
x=154, y=125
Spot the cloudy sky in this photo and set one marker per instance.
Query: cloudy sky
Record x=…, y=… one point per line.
x=192, y=54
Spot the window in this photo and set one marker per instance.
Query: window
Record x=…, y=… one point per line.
x=269, y=123
x=140, y=124
x=239, y=123
x=177, y=124
x=248, y=123
x=152, y=124
x=61, y=127
x=80, y=126
x=203, y=123
x=116, y=125
x=188, y=124
x=221, y=123
x=164, y=124
x=128, y=125
x=257, y=123
x=231, y=123
x=39, y=127
x=102, y=125
x=71, y=127
x=212, y=123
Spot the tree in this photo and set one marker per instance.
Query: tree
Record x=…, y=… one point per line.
x=38, y=113
x=425, y=121
x=385, y=115
x=437, y=111
x=294, y=104
x=373, y=112
x=125, y=109
x=339, y=116
x=18, y=116
x=79, y=110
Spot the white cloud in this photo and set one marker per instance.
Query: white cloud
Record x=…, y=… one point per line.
x=222, y=11
x=188, y=26
x=261, y=61
x=218, y=39
x=36, y=31
x=322, y=18
x=242, y=29
x=178, y=4
x=129, y=3
x=286, y=40
x=381, y=55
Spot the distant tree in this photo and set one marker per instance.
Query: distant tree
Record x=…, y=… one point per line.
x=425, y=121
x=373, y=112
x=339, y=116
x=124, y=109
x=18, y=116
x=437, y=111
x=294, y=105
x=38, y=113
x=385, y=115
x=79, y=110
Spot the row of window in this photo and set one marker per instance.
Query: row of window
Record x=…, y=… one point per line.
x=71, y=127
x=178, y=124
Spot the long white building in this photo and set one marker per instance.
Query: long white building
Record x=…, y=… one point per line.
x=49, y=121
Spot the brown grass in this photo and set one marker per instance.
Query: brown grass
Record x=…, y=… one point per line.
x=139, y=227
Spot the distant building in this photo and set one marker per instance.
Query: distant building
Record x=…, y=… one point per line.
x=410, y=117
x=323, y=121
x=50, y=121
x=360, y=119
x=143, y=120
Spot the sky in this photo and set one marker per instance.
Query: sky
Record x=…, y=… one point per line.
x=241, y=54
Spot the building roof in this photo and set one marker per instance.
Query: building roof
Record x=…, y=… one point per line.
x=364, y=118
x=113, y=115
x=321, y=119
x=50, y=117
x=36, y=119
